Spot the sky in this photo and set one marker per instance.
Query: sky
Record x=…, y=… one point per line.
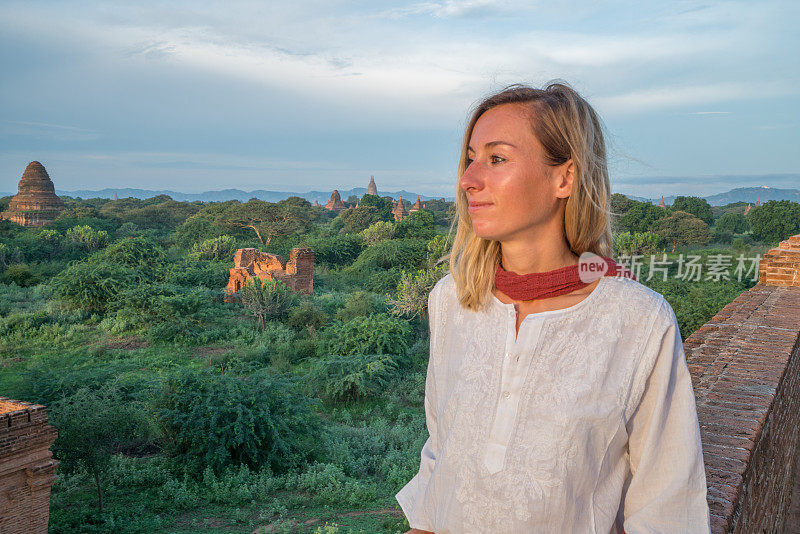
x=696, y=97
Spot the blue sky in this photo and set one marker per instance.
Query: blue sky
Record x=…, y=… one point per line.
x=307, y=95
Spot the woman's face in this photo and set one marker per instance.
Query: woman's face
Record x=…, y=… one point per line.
x=511, y=191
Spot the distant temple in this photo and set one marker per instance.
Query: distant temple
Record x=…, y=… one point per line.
x=399, y=210
x=417, y=205
x=747, y=209
x=661, y=204
x=335, y=203
x=758, y=202
x=372, y=188
x=36, y=203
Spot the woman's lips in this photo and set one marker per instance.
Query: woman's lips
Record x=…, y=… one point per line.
x=477, y=206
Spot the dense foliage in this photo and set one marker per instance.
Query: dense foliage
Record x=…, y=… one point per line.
x=177, y=410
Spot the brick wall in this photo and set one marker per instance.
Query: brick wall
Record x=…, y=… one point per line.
x=27, y=468
x=297, y=273
x=745, y=366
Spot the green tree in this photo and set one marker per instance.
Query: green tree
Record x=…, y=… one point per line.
x=377, y=232
x=358, y=219
x=383, y=205
x=641, y=217
x=268, y=220
x=735, y=223
x=775, y=220
x=92, y=426
x=699, y=207
x=681, y=228
x=417, y=225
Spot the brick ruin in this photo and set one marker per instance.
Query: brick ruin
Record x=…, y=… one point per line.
x=297, y=273
x=781, y=266
x=745, y=367
x=27, y=467
x=36, y=202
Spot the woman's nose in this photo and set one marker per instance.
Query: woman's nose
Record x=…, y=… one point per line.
x=471, y=178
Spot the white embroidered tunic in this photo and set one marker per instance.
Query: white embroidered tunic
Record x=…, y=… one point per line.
x=583, y=422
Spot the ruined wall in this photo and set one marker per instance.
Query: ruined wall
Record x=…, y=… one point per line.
x=297, y=273
x=745, y=366
x=27, y=468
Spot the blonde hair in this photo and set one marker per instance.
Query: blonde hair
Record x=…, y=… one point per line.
x=567, y=128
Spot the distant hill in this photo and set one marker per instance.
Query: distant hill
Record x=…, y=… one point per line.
x=740, y=194
x=238, y=194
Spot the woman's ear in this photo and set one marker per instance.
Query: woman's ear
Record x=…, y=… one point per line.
x=565, y=176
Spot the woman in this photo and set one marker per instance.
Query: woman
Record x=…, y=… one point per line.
x=553, y=403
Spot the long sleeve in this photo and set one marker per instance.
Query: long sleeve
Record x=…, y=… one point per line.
x=666, y=489
x=411, y=497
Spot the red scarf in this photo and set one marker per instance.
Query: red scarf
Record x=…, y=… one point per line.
x=550, y=283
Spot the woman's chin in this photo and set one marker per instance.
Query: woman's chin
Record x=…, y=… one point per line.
x=485, y=233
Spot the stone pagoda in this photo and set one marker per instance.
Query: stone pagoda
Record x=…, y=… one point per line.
x=399, y=210
x=335, y=203
x=36, y=203
x=417, y=205
x=661, y=204
x=372, y=189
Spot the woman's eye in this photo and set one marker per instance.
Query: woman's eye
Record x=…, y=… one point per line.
x=468, y=161
x=498, y=159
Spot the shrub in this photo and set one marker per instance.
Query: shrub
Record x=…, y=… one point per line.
x=91, y=284
x=87, y=238
x=223, y=420
x=344, y=377
x=21, y=274
x=402, y=253
x=411, y=297
x=307, y=315
x=137, y=252
x=637, y=243
x=375, y=334
x=358, y=304
x=340, y=249
x=266, y=298
x=9, y=255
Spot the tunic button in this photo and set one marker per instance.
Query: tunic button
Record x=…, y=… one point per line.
x=506, y=394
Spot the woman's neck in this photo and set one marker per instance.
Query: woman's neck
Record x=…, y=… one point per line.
x=525, y=257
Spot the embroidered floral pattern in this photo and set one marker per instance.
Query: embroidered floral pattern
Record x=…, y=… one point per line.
x=578, y=375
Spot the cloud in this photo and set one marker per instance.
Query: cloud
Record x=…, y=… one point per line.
x=671, y=96
x=453, y=9
x=55, y=132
